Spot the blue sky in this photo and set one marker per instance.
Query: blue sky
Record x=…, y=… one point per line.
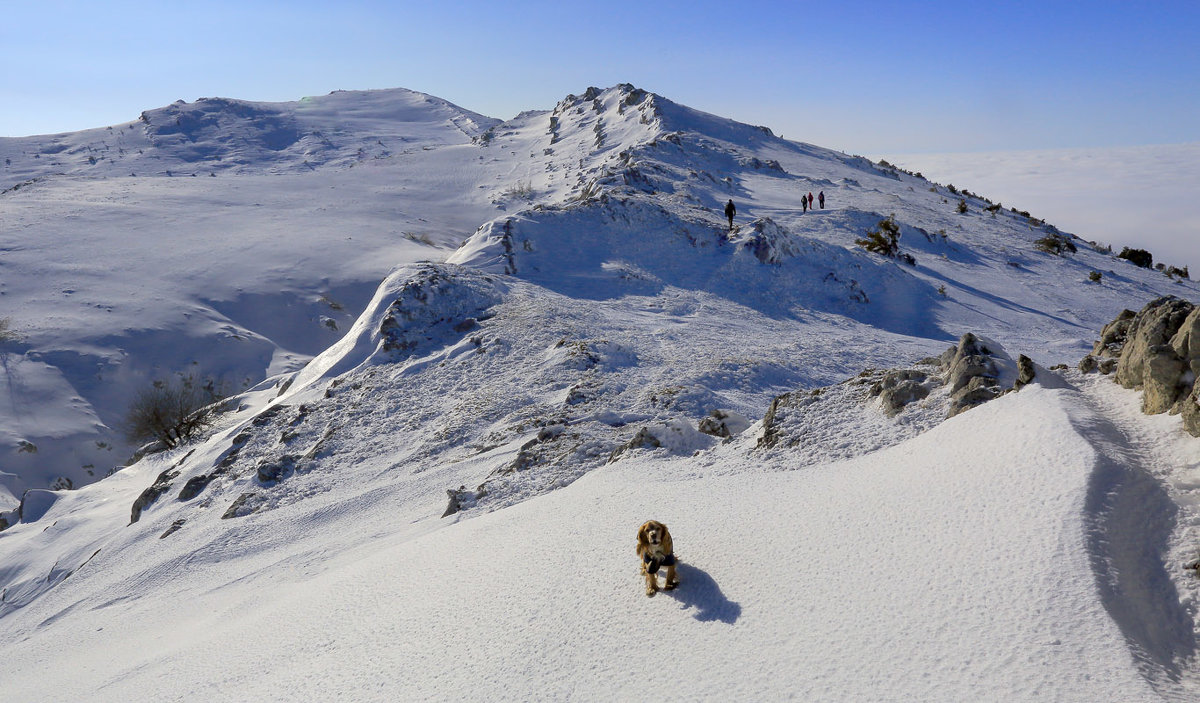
x=864, y=77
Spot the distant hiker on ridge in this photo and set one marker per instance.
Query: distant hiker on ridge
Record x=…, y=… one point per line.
x=730, y=211
x=804, y=202
x=810, y=200
x=821, y=199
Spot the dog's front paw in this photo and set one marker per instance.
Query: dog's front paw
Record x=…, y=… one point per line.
x=651, y=590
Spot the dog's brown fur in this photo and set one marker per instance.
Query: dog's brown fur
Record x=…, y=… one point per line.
x=654, y=540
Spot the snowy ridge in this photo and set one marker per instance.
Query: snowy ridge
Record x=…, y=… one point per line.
x=212, y=136
x=449, y=467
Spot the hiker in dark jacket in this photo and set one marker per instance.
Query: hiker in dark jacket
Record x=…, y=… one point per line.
x=804, y=202
x=821, y=199
x=730, y=211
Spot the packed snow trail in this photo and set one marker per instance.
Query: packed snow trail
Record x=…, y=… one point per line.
x=1142, y=512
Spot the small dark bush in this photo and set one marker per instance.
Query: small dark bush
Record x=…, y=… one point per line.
x=1139, y=257
x=1095, y=276
x=962, y=207
x=1055, y=244
x=1176, y=272
x=884, y=240
x=172, y=412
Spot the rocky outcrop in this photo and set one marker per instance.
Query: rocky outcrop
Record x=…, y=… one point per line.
x=899, y=388
x=972, y=374
x=161, y=485
x=723, y=424
x=1157, y=351
x=910, y=400
x=1147, y=356
x=1112, y=337
x=1026, y=372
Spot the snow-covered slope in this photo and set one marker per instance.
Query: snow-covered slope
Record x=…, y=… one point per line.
x=219, y=136
x=562, y=307
x=960, y=565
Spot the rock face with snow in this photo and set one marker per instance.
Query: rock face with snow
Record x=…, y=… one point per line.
x=905, y=401
x=1158, y=352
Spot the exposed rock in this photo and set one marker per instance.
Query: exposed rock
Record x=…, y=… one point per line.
x=1191, y=412
x=461, y=499
x=173, y=528
x=1113, y=336
x=644, y=439
x=1025, y=372
x=767, y=241
x=3, y=523
x=1161, y=380
x=1186, y=341
x=723, y=423
x=771, y=426
x=241, y=507
x=676, y=435
x=970, y=359
x=62, y=483
x=151, y=494
x=1149, y=335
x=899, y=388
x=977, y=391
x=1088, y=364
x=1159, y=353
x=270, y=471
x=194, y=485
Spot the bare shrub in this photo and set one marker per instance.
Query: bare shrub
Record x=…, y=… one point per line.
x=172, y=411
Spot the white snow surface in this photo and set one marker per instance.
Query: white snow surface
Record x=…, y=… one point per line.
x=560, y=307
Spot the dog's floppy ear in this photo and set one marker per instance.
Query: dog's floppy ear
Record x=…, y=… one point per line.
x=667, y=545
x=643, y=542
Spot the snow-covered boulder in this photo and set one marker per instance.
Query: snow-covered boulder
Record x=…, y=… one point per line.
x=676, y=436
x=977, y=370
x=35, y=503
x=723, y=423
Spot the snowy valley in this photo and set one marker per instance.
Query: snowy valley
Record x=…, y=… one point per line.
x=467, y=358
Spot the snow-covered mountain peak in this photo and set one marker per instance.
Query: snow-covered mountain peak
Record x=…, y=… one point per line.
x=213, y=136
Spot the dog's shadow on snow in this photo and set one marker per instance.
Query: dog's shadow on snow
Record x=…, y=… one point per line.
x=698, y=590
